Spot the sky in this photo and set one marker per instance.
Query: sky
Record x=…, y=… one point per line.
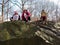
x=16, y=7
x=57, y=2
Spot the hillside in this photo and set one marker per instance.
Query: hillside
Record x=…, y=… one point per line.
x=20, y=29
x=9, y=30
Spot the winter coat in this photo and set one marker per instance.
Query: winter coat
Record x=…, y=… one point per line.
x=27, y=14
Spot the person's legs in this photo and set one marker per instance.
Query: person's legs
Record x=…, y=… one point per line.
x=25, y=20
x=44, y=19
x=29, y=18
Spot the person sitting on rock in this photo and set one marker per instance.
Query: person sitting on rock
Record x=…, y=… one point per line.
x=15, y=16
x=26, y=15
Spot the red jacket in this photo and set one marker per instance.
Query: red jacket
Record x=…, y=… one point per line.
x=27, y=13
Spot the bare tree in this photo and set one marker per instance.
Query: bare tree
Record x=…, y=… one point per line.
x=2, y=9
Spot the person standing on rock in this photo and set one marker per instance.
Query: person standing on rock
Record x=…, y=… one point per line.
x=43, y=16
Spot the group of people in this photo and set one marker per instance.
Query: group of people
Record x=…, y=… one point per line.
x=26, y=16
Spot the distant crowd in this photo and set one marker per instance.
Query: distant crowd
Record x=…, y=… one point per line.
x=26, y=16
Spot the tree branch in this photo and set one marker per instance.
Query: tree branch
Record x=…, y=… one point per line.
x=6, y=1
x=16, y=4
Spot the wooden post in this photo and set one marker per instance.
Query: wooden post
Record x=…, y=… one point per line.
x=2, y=10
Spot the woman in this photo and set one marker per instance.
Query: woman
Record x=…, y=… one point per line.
x=26, y=16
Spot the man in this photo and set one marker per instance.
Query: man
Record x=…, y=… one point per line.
x=44, y=16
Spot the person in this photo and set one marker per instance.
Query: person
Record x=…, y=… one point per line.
x=44, y=16
x=15, y=16
x=26, y=16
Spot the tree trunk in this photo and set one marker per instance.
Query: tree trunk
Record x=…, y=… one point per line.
x=22, y=6
x=7, y=10
x=2, y=9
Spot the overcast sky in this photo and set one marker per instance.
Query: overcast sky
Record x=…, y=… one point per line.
x=16, y=7
x=57, y=2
